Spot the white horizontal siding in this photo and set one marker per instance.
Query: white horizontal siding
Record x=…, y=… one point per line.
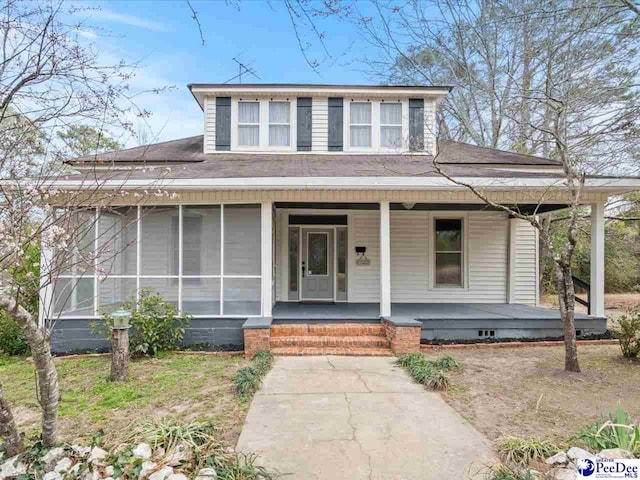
x=209, y=124
x=429, y=126
x=364, y=280
x=320, y=124
x=524, y=275
x=412, y=258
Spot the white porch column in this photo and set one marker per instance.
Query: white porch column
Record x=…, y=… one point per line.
x=267, y=258
x=597, y=259
x=45, y=308
x=385, y=260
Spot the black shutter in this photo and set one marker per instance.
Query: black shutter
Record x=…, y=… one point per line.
x=223, y=123
x=336, y=124
x=304, y=122
x=416, y=124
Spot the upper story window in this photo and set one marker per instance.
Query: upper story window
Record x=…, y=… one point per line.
x=360, y=124
x=390, y=125
x=279, y=124
x=249, y=124
x=448, y=252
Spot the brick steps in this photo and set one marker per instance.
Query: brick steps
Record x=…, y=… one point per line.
x=355, y=351
x=328, y=330
x=360, y=341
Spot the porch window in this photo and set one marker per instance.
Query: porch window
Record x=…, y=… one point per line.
x=205, y=260
x=249, y=124
x=279, y=124
x=391, y=125
x=294, y=248
x=341, y=246
x=360, y=124
x=448, y=252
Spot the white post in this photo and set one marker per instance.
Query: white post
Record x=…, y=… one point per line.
x=511, y=292
x=45, y=309
x=267, y=258
x=385, y=260
x=597, y=259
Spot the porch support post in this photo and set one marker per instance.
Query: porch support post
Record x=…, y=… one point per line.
x=385, y=260
x=597, y=259
x=267, y=258
x=511, y=292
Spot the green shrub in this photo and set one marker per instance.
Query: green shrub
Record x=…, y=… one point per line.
x=628, y=333
x=248, y=378
x=524, y=451
x=433, y=374
x=618, y=431
x=155, y=324
x=504, y=471
x=12, y=339
x=243, y=467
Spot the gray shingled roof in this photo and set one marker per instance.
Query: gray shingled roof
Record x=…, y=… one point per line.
x=189, y=150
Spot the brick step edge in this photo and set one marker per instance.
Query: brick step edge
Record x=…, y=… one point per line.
x=355, y=352
x=364, y=341
x=545, y=343
x=342, y=330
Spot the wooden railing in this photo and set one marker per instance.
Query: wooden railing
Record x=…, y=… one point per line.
x=580, y=284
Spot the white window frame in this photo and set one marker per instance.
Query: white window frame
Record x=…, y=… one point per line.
x=370, y=125
x=238, y=124
x=269, y=124
x=97, y=279
x=375, y=125
x=263, y=144
x=401, y=125
x=464, y=252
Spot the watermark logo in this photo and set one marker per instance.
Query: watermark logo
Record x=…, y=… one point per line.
x=586, y=467
x=606, y=468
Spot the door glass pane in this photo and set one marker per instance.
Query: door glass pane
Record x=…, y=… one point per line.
x=201, y=240
x=318, y=254
x=242, y=241
x=448, y=235
x=449, y=269
x=293, y=259
x=341, y=242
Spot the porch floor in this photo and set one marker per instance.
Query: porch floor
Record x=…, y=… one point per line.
x=291, y=311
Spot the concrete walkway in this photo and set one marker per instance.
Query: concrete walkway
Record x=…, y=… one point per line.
x=358, y=418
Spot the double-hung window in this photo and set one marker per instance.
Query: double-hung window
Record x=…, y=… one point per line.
x=360, y=124
x=390, y=125
x=279, y=124
x=249, y=124
x=448, y=252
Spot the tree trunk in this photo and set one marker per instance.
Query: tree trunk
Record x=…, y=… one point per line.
x=119, y=355
x=8, y=431
x=46, y=374
x=566, y=297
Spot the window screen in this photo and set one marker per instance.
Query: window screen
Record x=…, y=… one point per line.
x=448, y=251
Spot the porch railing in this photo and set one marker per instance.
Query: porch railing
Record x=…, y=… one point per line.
x=580, y=284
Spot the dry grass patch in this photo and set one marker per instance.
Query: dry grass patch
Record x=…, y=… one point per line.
x=182, y=387
x=525, y=392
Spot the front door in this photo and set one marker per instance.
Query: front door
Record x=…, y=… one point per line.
x=317, y=264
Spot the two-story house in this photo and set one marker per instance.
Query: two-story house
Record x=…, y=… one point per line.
x=307, y=205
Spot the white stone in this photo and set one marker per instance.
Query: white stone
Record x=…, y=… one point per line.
x=94, y=475
x=51, y=458
x=81, y=450
x=143, y=450
x=177, y=476
x=109, y=470
x=560, y=459
x=63, y=465
x=576, y=453
x=560, y=474
x=161, y=474
x=52, y=476
x=206, y=474
x=616, y=454
x=147, y=468
x=97, y=454
x=175, y=457
x=12, y=468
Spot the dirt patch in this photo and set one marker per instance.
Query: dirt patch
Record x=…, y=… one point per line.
x=526, y=392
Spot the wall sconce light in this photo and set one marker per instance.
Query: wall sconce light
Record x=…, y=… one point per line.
x=409, y=205
x=361, y=257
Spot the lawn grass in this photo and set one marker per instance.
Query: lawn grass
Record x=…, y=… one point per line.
x=184, y=387
x=525, y=392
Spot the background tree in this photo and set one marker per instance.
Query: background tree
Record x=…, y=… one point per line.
x=83, y=141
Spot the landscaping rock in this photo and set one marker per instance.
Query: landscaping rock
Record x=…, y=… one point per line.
x=616, y=454
x=109, y=470
x=177, y=476
x=81, y=450
x=143, y=451
x=162, y=474
x=97, y=454
x=91, y=475
x=576, y=453
x=12, y=468
x=206, y=474
x=52, y=457
x=560, y=459
x=535, y=475
x=177, y=456
x=52, y=476
x=63, y=465
x=147, y=468
x=560, y=474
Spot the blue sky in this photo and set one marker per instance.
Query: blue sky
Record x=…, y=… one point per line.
x=163, y=37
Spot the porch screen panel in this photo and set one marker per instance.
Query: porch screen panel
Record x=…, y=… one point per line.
x=73, y=297
x=242, y=296
x=114, y=291
x=448, y=252
x=117, y=239
x=159, y=241
x=242, y=241
x=201, y=297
